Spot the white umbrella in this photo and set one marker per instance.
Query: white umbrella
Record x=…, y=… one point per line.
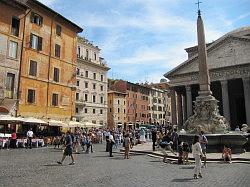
x=75, y=124
x=8, y=118
x=34, y=120
x=89, y=124
x=57, y=123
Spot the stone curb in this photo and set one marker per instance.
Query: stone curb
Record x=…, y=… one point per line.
x=176, y=157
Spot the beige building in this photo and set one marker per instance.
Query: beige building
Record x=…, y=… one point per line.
x=91, y=93
x=116, y=108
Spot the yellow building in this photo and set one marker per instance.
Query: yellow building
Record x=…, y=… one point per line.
x=116, y=108
x=48, y=64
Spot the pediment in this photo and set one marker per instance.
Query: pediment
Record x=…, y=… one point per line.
x=227, y=53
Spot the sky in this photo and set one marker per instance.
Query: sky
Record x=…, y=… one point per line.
x=143, y=39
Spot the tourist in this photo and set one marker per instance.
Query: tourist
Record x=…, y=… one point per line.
x=13, y=139
x=111, y=143
x=68, y=151
x=56, y=142
x=197, y=153
x=227, y=154
x=175, y=138
x=237, y=128
x=186, y=150
x=154, y=137
x=107, y=134
x=203, y=141
x=166, y=144
x=30, y=135
x=89, y=143
x=126, y=146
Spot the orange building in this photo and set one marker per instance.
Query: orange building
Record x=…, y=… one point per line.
x=48, y=64
x=11, y=29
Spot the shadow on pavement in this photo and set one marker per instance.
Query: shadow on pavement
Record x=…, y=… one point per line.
x=53, y=165
x=189, y=167
x=182, y=180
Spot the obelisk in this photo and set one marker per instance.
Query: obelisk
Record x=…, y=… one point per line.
x=206, y=114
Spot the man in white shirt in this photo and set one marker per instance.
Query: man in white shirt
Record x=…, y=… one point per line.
x=30, y=135
x=111, y=143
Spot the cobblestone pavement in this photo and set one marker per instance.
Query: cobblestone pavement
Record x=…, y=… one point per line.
x=37, y=167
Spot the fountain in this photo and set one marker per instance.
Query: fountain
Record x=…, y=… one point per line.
x=206, y=114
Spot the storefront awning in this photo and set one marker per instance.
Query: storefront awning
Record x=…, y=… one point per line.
x=57, y=123
x=34, y=120
x=10, y=119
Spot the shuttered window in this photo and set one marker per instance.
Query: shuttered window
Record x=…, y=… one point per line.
x=57, y=50
x=56, y=75
x=55, y=99
x=33, y=68
x=31, y=96
x=13, y=46
x=36, y=18
x=36, y=42
x=58, y=30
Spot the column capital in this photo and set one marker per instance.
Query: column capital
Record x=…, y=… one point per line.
x=246, y=79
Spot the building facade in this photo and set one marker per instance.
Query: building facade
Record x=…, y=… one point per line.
x=48, y=64
x=92, y=83
x=117, y=111
x=229, y=68
x=11, y=37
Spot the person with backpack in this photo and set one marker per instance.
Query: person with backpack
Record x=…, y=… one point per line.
x=203, y=141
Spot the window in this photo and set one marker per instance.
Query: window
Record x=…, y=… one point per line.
x=54, y=99
x=93, y=111
x=78, y=52
x=118, y=110
x=87, y=54
x=13, y=49
x=57, y=50
x=77, y=96
x=86, y=74
x=36, y=18
x=86, y=97
x=101, y=77
x=77, y=110
x=15, y=26
x=31, y=96
x=58, y=30
x=10, y=81
x=86, y=110
x=77, y=71
x=95, y=56
x=94, y=75
x=86, y=85
x=101, y=99
x=33, y=68
x=77, y=83
x=100, y=111
x=56, y=75
x=124, y=111
x=36, y=42
x=118, y=101
x=124, y=102
x=94, y=86
x=101, y=87
x=93, y=98
x=110, y=110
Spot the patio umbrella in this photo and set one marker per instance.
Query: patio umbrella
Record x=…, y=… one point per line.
x=10, y=119
x=57, y=123
x=34, y=120
x=75, y=124
x=89, y=125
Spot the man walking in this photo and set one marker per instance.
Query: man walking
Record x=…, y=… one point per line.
x=154, y=137
x=30, y=135
x=111, y=143
x=68, y=151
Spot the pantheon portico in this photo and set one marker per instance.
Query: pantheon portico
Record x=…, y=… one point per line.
x=229, y=69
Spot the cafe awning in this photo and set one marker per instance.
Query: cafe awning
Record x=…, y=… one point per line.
x=10, y=119
x=75, y=124
x=34, y=120
x=57, y=123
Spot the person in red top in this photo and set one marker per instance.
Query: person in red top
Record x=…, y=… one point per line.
x=227, y=154
x=13, y=140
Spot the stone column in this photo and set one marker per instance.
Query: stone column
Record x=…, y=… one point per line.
x=189, y=101
x=179, y=109
x=173, y=106
x=184, y=108
x=246, y=85
x=225, y=100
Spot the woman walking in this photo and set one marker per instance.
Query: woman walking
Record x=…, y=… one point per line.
x=197, y=153
x=126, y=146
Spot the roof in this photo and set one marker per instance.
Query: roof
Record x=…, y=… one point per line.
x=26, y=2
x=242, y=33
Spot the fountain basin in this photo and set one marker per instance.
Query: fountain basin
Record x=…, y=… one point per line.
x=216, y=142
